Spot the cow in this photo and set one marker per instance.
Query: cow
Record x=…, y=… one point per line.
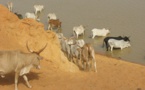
x=52, y=16
x=88, y=56
x=80, y=42
x=125, y=38
x=78, y=30
x=10, y=6
x=113, y=43
x=60, y=36
x=54, y=24
x=38, y=9
x=18, y=15
x=75, y=49
x=65, y=44
x=32, y=15
x=75, y=52
x=100, y=32
x=20, y=63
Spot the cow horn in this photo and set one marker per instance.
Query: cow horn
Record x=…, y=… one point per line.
x=29, y=48
x=42, y=49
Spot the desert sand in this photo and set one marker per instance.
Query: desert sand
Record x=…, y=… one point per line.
x=56, y=72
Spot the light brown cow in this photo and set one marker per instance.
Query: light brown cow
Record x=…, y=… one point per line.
x=54, y=24
x=88, y=56
x=20, y=63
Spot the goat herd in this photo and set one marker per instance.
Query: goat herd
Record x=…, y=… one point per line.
x=75, y=49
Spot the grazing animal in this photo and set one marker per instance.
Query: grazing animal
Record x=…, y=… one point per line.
x=32, y=15
x=100, y=32
x=88, y=55
x=19, y=15
x=116, y=38
x=65, y=44
x=78, y=30
x=80, y=42
x=76, y=49
x=113, y=43
x=10, y=6
x=60, y=36
x=54, y=24
x=38, y=9
x=75, y=52
x=20, y=63
x=52, y=16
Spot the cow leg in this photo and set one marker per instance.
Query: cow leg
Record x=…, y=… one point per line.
x=111, y=48
x=94, y=60
x=49, y=27
x=88, y=66
x=107, y=48
x=93, y=36
x=77, y=35
x=83, y=34
x=95, y=66
x=16, y=80
x=71, y=59
x=59, y=27
x=26, y=80
x=2, y=74
x=77, y=61
x=83, y=65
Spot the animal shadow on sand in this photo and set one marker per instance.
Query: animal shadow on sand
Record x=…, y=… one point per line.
x=9, y=78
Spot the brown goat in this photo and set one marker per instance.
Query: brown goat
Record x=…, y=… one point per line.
x=54, y=24
x=88, y=56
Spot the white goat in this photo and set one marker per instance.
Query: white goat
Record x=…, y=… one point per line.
x=99, y=32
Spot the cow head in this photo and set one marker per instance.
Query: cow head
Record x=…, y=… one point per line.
x=36, y=61
x=126, y=38
x=36, y=56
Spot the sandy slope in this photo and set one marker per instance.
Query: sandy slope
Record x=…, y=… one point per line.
x=57, y=73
